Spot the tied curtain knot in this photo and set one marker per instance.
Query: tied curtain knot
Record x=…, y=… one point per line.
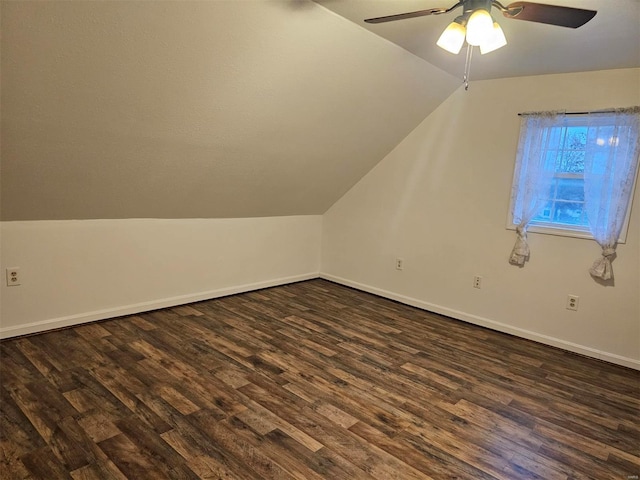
x=601, y=268
x=520, y=252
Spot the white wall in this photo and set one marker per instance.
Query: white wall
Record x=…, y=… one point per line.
x=439, y=200
x=77, y=271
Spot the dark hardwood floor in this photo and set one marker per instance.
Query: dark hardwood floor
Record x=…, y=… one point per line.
x=310, y=381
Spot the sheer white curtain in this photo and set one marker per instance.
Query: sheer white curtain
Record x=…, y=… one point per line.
x=533, y=176
x=611, y=162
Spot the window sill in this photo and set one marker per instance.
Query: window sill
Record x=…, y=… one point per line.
x=560, y=232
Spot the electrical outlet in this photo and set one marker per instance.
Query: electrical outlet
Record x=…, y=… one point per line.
x=477, y=281
x=399, y=263
x=13, y=277
x=572, y=302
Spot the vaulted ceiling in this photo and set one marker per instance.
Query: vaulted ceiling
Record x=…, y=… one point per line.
x=209, y=108
x=197, y=109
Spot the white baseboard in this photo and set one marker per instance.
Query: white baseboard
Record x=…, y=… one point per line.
x=71, y=320
x=485, y=322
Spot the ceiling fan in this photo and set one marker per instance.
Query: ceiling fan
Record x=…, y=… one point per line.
x=478, y=28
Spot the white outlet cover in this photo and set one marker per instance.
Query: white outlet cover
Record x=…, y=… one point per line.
x=573, y=301
x=13, y=277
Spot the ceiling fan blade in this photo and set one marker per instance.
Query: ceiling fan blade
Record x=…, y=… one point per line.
x=402, y=16
x=550, y=14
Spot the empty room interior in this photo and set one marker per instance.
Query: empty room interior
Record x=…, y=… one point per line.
x=330, y=239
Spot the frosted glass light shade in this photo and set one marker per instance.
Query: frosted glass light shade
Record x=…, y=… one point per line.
x=495, y=41
x=479, y=27
x=452, y=38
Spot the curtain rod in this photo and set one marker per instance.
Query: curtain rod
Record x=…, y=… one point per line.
x=525, y=114
x=634, y=109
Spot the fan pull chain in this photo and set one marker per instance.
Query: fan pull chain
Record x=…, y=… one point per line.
x=467, y=67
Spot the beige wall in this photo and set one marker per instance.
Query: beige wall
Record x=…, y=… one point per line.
x=77, y=271
x=251, y=108
x=439, y=200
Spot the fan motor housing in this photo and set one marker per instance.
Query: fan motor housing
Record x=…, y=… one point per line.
x=470, y=6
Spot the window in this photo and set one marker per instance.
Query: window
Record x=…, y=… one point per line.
x=575, y=175
x=563, y=205
x=561, y=209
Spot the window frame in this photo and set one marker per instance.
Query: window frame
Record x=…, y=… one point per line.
x=567, y=230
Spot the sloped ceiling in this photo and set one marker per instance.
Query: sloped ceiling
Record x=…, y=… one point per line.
x=175, y=109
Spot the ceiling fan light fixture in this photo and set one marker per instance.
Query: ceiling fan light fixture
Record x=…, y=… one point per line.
x=479, y=27
x=453, y=36
x=495, y=41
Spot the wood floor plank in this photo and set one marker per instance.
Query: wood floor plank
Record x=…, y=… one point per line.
x=324, y=462
x=42, y=463
x=273, y=445
x=130, y=458
x=426, y=458
x=17, y=433
x=369, y=457
x=241, y=449
x=306, y=381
